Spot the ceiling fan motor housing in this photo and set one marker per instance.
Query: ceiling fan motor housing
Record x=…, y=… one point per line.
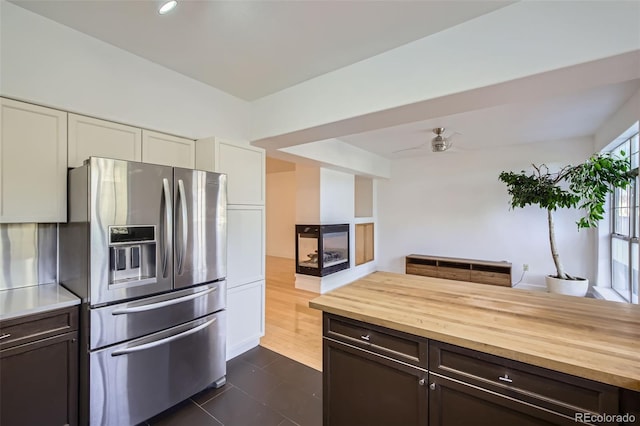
x=439, y=144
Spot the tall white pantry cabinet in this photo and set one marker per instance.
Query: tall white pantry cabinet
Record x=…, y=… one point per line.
x=245, y=169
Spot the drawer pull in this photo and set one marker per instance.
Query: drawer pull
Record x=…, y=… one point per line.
x=421, y=382
x=432, y=386
x=365, y=337
x=5, y=336
x=505, y=378
x=165, y=303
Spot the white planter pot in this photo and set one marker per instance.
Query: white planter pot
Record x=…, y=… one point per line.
x=569, y=287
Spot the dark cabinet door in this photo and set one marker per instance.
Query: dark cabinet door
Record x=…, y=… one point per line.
x=455, y=403
x=39, y=382
x=630, y=407
x=365, y=389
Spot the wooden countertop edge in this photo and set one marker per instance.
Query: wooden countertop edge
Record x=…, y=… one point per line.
x=574, y=368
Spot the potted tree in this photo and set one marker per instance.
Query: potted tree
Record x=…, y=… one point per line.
x=584, y=186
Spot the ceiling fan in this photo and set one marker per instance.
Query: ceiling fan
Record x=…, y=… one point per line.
x=439, y=143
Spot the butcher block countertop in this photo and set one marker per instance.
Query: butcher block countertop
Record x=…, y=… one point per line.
x=589, y=338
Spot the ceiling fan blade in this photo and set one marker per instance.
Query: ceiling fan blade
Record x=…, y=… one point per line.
x=452, y=136
x=415, y=148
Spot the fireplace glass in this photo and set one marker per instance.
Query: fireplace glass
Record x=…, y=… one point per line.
x=322, y=249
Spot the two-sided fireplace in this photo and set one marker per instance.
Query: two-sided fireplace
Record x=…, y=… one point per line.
x=322, y=249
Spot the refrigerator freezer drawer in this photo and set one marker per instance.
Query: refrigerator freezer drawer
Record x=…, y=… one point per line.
x=134, y=381
x=126, y=321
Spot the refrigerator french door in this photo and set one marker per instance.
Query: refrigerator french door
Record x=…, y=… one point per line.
x=200, y=228
x=149, y=228
x=145, y=249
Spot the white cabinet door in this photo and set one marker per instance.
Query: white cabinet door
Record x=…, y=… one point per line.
x=244, y=165
x=245, y=244
x=99, y=138
x=159, y=148
x=245, y=317
x=33, y=163
x=245, y=168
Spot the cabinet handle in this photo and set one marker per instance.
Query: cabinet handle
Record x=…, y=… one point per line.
x=505, y=378
x=5, y=336
x=365, y=337
x=432, y=386
x=421, y=382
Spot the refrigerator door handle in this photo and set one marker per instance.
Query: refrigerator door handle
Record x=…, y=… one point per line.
x=162, y=341
x=168, y=224
x=158, y=305
x=184, y=227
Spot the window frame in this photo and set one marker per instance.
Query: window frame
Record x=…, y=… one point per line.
x=632, y=227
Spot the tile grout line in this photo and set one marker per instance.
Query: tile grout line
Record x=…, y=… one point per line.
x=208, y=413
x=263, y=403
x=301, y=389
x=227, y=386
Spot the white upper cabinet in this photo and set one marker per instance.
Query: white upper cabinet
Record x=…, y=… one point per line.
x=33, y=163
x=244, y=165
x=160, y=148
x=98, y=138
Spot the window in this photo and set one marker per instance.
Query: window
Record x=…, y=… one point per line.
x=625, y=228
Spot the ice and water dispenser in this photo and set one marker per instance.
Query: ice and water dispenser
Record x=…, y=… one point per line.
x=132, y=251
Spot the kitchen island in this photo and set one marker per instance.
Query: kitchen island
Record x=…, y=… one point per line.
x=547, y=357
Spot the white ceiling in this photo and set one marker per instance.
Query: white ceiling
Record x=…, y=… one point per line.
x=565, y=117
x=254, y=48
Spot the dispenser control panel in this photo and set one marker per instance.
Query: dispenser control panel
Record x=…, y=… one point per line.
x=132, y=254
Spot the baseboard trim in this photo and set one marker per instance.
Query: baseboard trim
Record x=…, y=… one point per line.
x=241, y=348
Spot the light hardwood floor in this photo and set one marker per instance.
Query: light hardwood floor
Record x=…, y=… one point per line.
x=292, y=328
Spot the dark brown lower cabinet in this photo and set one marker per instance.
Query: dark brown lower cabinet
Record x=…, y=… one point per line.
x=362, y=388
x=39, y=379
x=455, y=403
x=375, y=376
x=630, y=407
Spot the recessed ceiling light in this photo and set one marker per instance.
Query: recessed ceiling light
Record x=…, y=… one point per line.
x=167, y=7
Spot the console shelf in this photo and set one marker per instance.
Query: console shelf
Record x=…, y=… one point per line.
x=453, y=268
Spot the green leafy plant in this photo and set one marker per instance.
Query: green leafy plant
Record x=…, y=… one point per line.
x=584, y=186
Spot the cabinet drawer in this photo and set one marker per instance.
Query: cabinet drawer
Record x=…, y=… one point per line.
x=488, y=277
x=559, y=392
x=418, y=269
x=454, y=271
x=18, y=331
x=394, y=344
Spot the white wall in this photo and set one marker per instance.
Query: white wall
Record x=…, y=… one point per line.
x=620, y=122
x=281, y=214
x=48, y=63
x=452, y=204
x=307, y=195
x=337, y=196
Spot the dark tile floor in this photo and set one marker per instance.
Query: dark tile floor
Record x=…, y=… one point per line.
x=263, y=389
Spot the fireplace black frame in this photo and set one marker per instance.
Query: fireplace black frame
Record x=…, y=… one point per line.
x=318, y=232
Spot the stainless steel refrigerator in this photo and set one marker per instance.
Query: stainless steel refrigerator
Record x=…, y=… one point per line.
x=145, y=249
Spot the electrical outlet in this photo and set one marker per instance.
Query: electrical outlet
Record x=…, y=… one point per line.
x=525, y=267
